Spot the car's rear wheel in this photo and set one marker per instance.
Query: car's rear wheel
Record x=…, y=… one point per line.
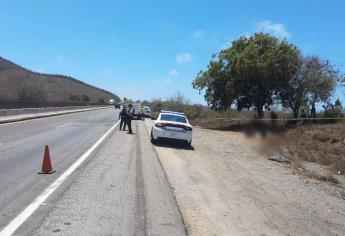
x=189, y=144
x=153, y=140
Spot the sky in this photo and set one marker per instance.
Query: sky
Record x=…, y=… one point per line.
x=154, y=49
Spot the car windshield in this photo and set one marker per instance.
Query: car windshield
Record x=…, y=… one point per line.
x=173, y=118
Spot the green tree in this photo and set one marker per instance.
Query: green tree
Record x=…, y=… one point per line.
x=217, y=84
x=322, y=79
x=145, y=103
x=342, y=81
x=127, y=101
x=250, y=73
x=333, y=110
x=293, y=93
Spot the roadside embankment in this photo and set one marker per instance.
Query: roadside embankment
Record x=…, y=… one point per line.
x=14, y=115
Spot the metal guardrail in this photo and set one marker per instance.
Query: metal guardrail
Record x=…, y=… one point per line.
x=40, y=104
x=22, y=111
x=31, y=116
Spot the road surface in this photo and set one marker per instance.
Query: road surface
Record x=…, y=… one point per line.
x=112, y=193
x=126, y=186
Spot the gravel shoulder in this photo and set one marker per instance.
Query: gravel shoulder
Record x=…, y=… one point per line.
x=223, y=187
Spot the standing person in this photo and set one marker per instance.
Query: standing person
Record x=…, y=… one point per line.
x=302, y=117
x=129, y=118
x=123, y=117
x=274, y=118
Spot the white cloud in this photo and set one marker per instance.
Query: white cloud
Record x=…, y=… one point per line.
x=161, y=82
x=183, y=57
x=173, y=72
x=199, y=33
x=276, y=29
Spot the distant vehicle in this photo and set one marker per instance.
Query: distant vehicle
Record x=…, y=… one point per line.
x=118, y=105
x=172, y=126
x=111, y=102
x=147, y=111
x=137, y=111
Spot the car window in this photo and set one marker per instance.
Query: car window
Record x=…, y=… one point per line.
x=173, y=118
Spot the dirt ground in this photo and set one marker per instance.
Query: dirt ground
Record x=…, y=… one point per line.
x=224, y=187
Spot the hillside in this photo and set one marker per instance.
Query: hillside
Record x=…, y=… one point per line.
x=20, y=84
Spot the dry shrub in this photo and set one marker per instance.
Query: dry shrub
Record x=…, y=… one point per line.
x=325, y=178
x=322, y=137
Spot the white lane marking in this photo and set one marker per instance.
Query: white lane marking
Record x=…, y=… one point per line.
x=60, y=126
x=32, y=207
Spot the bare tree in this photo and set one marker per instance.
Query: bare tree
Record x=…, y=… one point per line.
x=180, y=99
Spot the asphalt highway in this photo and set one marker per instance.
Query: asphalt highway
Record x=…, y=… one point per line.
x=124, y=163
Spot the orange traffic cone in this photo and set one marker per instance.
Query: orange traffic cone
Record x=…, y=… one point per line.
x=46, y=165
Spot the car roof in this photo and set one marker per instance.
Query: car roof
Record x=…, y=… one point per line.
x=172, y=113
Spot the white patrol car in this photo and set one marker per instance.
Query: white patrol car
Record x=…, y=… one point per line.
x=171, y=126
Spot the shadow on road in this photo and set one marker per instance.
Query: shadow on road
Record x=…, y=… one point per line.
x=174, y=144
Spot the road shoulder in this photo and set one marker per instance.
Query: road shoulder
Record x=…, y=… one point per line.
x=223, y=187
x=121, y=191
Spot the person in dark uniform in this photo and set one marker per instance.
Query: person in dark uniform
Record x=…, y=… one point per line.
x=130, y=113
x=123, y=117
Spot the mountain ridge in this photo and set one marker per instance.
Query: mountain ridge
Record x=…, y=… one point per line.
x=20, y=84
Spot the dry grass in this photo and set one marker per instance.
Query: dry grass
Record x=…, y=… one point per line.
x=315, y=150
x=324, y=178
x=322, y=144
